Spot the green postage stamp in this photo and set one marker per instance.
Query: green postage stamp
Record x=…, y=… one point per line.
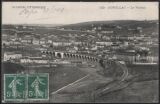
x=37, y=86
x=26, y=87
x=14, y=87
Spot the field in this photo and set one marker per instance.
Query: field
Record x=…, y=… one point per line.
x=138, y=92
x=145, y=89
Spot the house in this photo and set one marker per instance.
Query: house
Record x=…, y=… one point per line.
x=11, y=55
x=126, y=43
x=99, y=27
x=49, y=41
x=131, y=38
x=104, y=43
x=42, y=41
x=5, y=42
x=77, y=43
x=106, y=37
x=37, y=60
x=16, y=43
x=139, y=29
x=130, y=29
x=35, y=42
x=94, y=48
x=118, y=27
x=4, y=36
x=23, y=60
x=57, y=43
x=26, y=40
x=66, y=43
x=107, y=32
x=72, y=50
x=61, y=43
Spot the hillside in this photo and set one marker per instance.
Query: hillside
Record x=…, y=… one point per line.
x=128, y=23
x=119, y=27
x=11, y=68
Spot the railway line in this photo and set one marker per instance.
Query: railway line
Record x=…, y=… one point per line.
x=118, y=83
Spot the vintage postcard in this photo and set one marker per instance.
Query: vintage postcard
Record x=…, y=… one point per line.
x=80, y=52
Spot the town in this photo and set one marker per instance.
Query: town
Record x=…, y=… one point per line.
x=132, y=43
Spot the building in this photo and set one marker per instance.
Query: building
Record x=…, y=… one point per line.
x=49, y=41
x=35, y=42
x=107, y=32
x=27, y=39
x=61, y=43
x=37, y=60
x=42, y=41
x=5, y=42
x=104, y=43
x=11, y=55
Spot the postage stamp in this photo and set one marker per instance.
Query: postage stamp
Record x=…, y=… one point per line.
x=18, y=87
x=14, y=87
x=38, y=88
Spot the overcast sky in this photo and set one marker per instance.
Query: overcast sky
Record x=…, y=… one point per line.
x=75, y=12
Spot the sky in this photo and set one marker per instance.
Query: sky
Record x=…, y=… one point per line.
x=76, y=12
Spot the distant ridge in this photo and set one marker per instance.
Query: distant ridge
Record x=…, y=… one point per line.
x=88, y=22
x=40, y=25
x=109, y=22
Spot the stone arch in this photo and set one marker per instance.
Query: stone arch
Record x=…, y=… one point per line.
x=83, y=57
x=90, y=58
x=65, y=54
x=47, y=52
x=97, y=60
x=62, y=55
x=80, y=56
x=74, y=56
x=77, y=56
x=43, y=52
x=71, y=55
x=86, y=57
x=59, y=55
x=53, y=53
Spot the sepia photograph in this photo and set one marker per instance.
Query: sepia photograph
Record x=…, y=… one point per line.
x=80, y=52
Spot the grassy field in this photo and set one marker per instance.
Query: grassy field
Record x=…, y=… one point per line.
x=144, y=89
x=138, y=92
x=59, y=76
x=144, y=73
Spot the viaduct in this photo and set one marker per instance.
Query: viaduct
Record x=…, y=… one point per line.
x=67, y=55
